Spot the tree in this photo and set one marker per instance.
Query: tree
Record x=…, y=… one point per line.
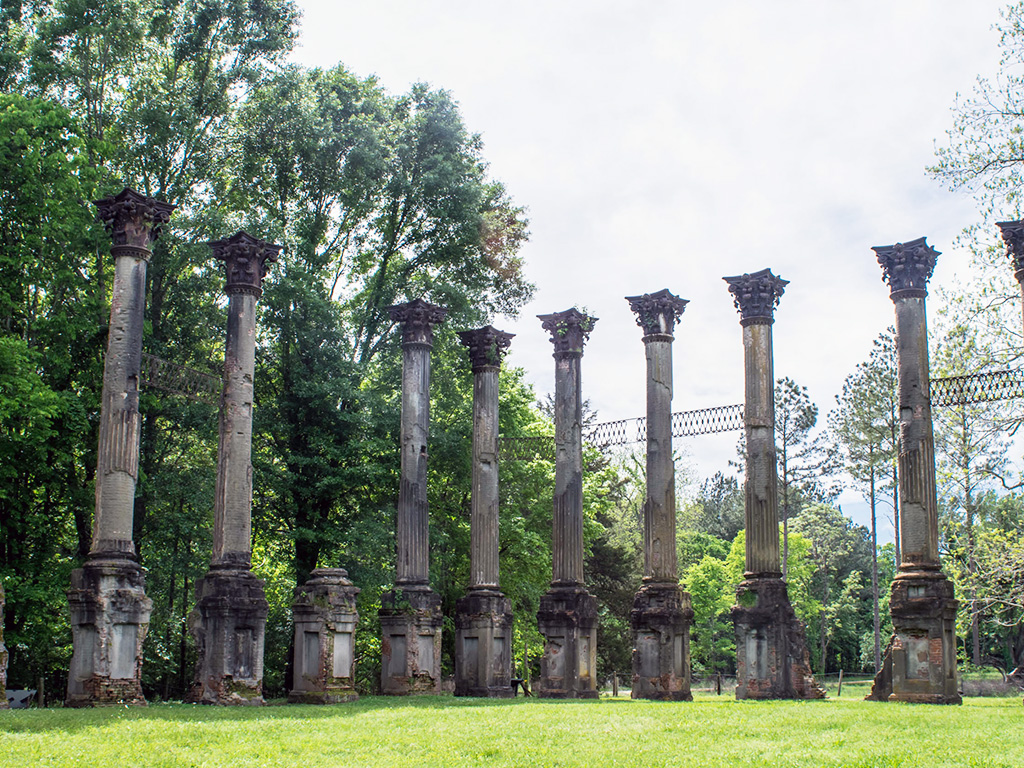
x=804, y=461
x=866, y=424
x=711, y=591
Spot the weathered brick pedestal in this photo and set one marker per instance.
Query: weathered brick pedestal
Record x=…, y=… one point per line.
x=230, y=618
x=568, y=613
x=661, y=612
x=107, y=599
x=772, y=661
x=483, y=618
x=920, y=662
x=1013, y=236
x=325, y=617
x=410, y=614
x=3, y=653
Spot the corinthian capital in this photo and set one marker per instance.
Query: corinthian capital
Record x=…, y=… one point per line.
x=907, y=267
x=133, y=221
x=245, y=261
x=486, y=346
x=569, y=331
x=418, y=319
x=1013, y=236
x=756, y=295
x=657, y=313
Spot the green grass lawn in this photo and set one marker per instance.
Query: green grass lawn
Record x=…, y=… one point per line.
x=442, y=731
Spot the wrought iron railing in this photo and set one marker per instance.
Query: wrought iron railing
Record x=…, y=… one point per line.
x=705, y=421
x=180, y=380
x=983, y=387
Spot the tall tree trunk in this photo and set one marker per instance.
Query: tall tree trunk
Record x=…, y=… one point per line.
x=874, y=572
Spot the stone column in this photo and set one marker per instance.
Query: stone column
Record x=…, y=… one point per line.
x=771, y=649
x=1013, y=236
x=410, y=614
x=483, y=618
x=230, y=617
x=661, y=610
x=325, y=617
x=3, y=653
x=107, y=599
x=568, y=613
x=920, y=662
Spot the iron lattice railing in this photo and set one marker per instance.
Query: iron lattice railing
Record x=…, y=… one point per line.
x=705, y=421
x=983, y=387
x=180, y=380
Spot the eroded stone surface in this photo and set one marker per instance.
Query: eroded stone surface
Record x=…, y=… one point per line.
x=660, y=620
x=3, y=653
x=483, y=645
x=229, y=625
x=325, y=617
x=109, y=622
x=568, y=620
x=410, y=625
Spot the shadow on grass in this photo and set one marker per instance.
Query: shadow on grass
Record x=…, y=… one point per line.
x=72, y=720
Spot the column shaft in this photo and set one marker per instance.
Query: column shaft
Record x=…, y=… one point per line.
x=918, y=513
x=232, y=537
x=484, y=523
x=660, y=557
x=761, y=487
x=568, y=508
x=413, y=512
x=118, y=456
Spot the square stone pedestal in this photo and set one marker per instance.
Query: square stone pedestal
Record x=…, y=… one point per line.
x=920, y=662
x=568, y=620
x=772, y=661
x=109, y=621
x=229, y=624
x=325, y=617
x=3, y=654
x=410, y=626
x=483, y=645
x=661, y=619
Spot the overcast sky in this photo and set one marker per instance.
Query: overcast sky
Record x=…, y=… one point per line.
x=665, y=144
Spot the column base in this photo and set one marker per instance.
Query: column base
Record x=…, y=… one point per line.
x=772, y=661
x=325, y=618
x=568, y=620
x=109, y=621
x=410, y=625
x=661, y=619
x=229, y=625
x=920, y=661
x=3, y=654
x=483, y=645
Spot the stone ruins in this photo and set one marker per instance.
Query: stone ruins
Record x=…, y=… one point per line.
x=110, y=611
x=661, y=609
x=772, y=661
x=230, y=617
x=568, y=612
x=920, y=662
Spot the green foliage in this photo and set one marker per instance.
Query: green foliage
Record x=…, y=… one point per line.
x=711, y=588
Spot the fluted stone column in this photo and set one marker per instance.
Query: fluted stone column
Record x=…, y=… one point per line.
x=568, y=613
x=661, y=610
x=772, y=660
x=3, y=653
x=325, y=617
x=920, y=662
x=107, y=599
x=483, y=618
x=230, y=617
x=1013, y=236
x=410, y=614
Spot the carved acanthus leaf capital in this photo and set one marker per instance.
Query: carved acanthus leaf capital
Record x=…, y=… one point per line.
x=569, y=331
x=756, y=295
x=486, y=346
x=245, y=261
x=133, y=220
x=418, y=319
x=1013, y=236
x=657, y=313
x=907, y=267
